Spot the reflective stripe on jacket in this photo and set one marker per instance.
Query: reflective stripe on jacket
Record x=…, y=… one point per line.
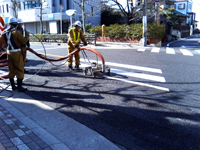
x=74, y=33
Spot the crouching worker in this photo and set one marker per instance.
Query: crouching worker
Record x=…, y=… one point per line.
x=14, y=41
x=75, y=34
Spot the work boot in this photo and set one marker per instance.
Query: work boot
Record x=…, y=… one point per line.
x=19, y=86
x=77, y=67
x=70, y=67
x=12, y=83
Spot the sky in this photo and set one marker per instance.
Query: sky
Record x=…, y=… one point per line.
x=195, y=9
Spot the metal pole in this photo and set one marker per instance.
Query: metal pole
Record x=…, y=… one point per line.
x=156, y=16
x=144, y=24
x=71, y=21
x=41, y=24
x=61, y=9
x=61, y=22
x=159, y=13
x=83, y=14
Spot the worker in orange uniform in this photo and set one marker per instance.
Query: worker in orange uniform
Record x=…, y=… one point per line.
x=75, y=35
x=24, y=32
x=14, y=40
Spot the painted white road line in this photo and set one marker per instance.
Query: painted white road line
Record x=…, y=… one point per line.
x=3, y=72
x=170, y=50
x=198, y=51
x=138, y=83
x=155, y=50
x=186, y=52
x=141, y=50
x=139, y=75
x=41, y=49
x=146, y=69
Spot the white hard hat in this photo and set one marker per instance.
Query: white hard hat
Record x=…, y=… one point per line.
x=13, y=20
x=78, y=23
x=19, y=20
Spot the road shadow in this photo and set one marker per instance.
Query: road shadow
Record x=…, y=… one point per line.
x=127, y=116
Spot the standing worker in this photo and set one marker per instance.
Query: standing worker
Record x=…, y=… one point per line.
x=23, y=48
x=14, y=41
x=75, y=34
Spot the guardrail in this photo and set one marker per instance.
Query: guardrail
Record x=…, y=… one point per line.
x=60, y=38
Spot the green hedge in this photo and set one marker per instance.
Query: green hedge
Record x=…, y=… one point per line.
x=133, y=31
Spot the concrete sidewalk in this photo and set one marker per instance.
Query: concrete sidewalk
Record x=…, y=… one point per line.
x=27, y=124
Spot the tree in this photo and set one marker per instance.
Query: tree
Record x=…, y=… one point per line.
x=135, y=13
x=109, y=15
x=171, y=15
x=95, y=8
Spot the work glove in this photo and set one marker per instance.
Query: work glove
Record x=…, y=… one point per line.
x=85, y=44
x=76, y=46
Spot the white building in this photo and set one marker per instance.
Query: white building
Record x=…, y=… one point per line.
x=29, y=11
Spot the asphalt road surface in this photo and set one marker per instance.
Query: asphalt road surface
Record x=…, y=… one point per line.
x=150, y=100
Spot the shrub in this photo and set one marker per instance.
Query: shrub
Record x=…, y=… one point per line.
x=96, y=29
x=134, y=31
x=155, y=31
x=40, y=37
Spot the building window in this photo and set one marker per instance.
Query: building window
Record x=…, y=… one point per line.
x=31, y=4
x=92, y=11
x=181, y=6
x=190, y=6
x=67, y=5
x=175, y=6
x=3, y=8
x=7, y=8
x=19, y=6
x=53, y=2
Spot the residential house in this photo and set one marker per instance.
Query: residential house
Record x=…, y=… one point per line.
x=185, y=7
x=50, y=16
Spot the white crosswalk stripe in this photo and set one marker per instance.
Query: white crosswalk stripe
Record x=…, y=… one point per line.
x=198, y=51
x=139, y=75
x=170, y=50
x=186, y=52
x=155, y=50
x=141, y=49
x=123, y=75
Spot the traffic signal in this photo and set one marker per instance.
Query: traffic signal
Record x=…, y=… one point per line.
x=131, y=3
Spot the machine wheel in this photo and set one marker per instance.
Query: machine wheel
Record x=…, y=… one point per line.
x=85, y=72
x=108, y=71
x=93, y=74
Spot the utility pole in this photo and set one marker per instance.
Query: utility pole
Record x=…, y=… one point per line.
x=41, y=24
x=144, y=24
x=83, y=14
x=61, y=9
